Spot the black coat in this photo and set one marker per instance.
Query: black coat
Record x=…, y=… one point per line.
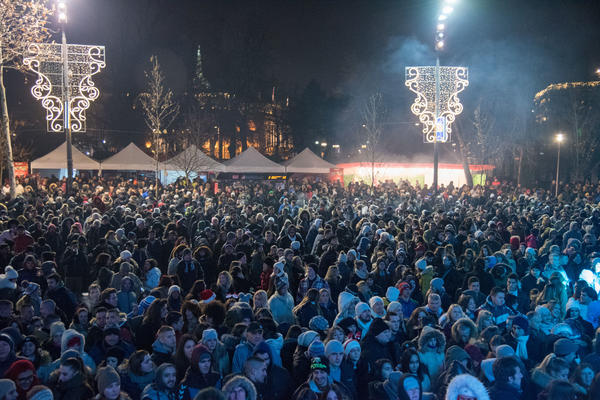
x=503, y=391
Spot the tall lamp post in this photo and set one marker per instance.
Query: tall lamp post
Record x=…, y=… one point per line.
x=559, y=139
x=62, y=20
x=437, y=89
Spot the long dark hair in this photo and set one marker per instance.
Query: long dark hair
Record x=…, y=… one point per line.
x=181, y=362
x=405, y=361
x=152, y=315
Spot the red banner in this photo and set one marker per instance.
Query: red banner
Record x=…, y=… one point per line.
x=21, y=168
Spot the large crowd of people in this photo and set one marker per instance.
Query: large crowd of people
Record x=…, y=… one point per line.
x=303, y=290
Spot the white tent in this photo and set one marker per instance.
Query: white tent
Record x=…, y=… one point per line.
x=57, y=159
x=307, y=162
x=131, y=158
x=192, y=159
x=251, y=161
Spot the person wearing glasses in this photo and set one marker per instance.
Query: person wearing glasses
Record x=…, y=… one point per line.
x=22, y=373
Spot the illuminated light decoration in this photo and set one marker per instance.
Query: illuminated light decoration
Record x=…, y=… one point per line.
x=439, y=44
x=441, y=27
x=442, y=17
x=421, y=81
x=561, y=86
x=84, y=62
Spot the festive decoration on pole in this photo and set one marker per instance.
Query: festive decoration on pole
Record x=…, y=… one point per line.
x=83, y=62
x=423, y=81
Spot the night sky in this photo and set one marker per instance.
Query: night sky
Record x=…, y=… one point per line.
x=351, y=48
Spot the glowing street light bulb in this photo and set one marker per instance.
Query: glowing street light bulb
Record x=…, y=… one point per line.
x=442, y=17
x=447, y=10
x=441, y=27
x=62, y=11
x=439, y=45
x=560, y=137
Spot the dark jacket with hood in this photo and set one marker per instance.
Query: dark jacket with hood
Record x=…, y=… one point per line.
x=279, y=382
x=157, y=390
x=74, y=389
x=392, y=388
x=194, y=380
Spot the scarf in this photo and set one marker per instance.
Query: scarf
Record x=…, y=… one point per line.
x=521, y=350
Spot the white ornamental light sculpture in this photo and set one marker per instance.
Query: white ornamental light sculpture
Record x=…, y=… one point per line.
x=46, y=60
x=436, y=106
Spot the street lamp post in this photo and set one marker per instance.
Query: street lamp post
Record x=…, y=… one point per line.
x=62, y=20
x=559, y=139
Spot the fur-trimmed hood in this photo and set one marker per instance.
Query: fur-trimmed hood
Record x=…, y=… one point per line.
x=242, y=381
x=467, y=385
x=428, y=333
x=66, y=338
x=464, y=322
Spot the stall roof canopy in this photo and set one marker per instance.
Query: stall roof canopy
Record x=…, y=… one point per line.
x=57, y=159
x=251, y=161
x=307, y=162
x=131, y=158
x=192, y=159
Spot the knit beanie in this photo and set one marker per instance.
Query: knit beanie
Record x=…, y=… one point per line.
x=392, y=293
x=377, y=326
x=349, y=345
x=145, y=303
x=504, y=351
x=6, y=338
x=40, y=392
x=436, y=283
x=456, y=353
x=521, y=322
x=318, y=323
x=352, y=252
x=316, y=348
x=373, y=300
x=318, y=363
x=209, y=334
x=333, y=346
x=174, y=288
x=10, y=272
x=562, y=347
x=395, y=307
x=360, y=308
x=105, y=377
x=306, y=338
x=6, y=385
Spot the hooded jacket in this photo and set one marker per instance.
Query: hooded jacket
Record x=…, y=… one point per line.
x=157, y=390
x=463, y=383
x=240, y=381
x=279, y=382
x=456, y=335
x=432, y=358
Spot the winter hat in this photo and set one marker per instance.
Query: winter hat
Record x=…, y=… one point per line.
x=351, y=252
x=349, y=345
x=145, y=303
x=206, y=296
x=504, y=351
x=377, y=326
x=316, y=348
x=125, y=255
x=392, y=293
x=421, y=264
x=139, y=221
x=395, y=307
x=318, y=363
x=6, y=386
x=15, y=335
x=105, y=377
x=71, y=353
x=522, y=322
x=562, y=329
x=333, y=346
x=209, y=334
x=562, y=347
x=40, y=392
x=306, y=338
x=344, y=298
x=402, y=286
x=57, y=328
x=530, y=251
x=456, y=353
x=375, y=299
x=280, y=283
x=360, y=308
x=343, y=258
x=295, y=245
x=174, y=288
x=318, y=323
x=474, y=352
x=199, y=352
x=436, y=283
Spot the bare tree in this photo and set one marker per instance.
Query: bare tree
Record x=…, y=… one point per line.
x=22, y=22
x=374, y=115
x=158, y=106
